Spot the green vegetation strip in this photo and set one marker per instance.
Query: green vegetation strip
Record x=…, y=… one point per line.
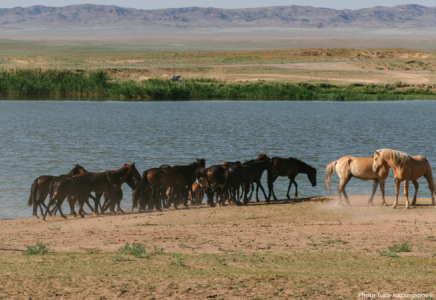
x=53, y=83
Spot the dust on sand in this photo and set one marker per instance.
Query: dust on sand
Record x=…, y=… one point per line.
x=278, y=227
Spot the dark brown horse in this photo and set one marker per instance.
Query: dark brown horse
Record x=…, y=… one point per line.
x=143, y=195
x=41, y=188
x=215, y=176
x=178, y=178
x=110, y=203
x=290, y=167
x=246, y=174
x=83, y=184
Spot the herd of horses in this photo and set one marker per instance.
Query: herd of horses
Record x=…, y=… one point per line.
x=231, y=182
x=165, y=186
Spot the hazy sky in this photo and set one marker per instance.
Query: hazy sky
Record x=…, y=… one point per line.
x=155, y=4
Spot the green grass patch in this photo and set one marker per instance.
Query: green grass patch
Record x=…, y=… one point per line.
x=54, y=83
x=404, y=247
x=138, y=251
x=38, y=249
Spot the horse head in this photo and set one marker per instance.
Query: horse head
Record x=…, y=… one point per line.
x=78, y=169
x=312, y=176
x=377, y=161
x=201, y=162
x=132, y=171
x=261, y=156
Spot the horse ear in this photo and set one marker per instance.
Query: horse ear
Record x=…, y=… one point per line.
x=258, y=154
x=265, y=153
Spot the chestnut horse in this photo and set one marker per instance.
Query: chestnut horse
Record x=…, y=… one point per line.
x=405, y=168
x=83, y=184
x=348, y=167
x=41, y=188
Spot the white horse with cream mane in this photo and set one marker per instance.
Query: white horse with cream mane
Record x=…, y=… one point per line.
x=405, y=168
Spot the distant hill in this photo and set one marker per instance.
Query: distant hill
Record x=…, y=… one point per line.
x=87, y=15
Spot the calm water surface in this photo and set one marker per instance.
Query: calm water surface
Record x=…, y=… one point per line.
x=49, y=138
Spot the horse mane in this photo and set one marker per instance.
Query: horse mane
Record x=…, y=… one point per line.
x=399, y=157
x=301, y=163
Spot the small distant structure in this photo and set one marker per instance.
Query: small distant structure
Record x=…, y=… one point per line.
x=175, y=78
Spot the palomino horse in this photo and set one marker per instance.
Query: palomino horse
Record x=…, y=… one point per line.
x=83, y=184
x=361, y=168
x=289, y=167
x=41, y=188
x=405, y=168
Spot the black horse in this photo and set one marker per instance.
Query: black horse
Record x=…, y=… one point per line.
x=290, y=167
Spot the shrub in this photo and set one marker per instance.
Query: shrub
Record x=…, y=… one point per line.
x=38, y=249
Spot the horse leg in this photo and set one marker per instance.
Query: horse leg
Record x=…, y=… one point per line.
x=156, y=196
x=263, y=190
x=52, y=200
x=119, y=206
x=272, y=192
x=81, y=201
x=59, y=204
x=97, y=203
x=341, y=188
x=257, y=193
x=406, y=193
x=171, y=196
x=296, y=188
x=382, y=189
x=289, y=188
x=251, y=194
x=431, y=186
x=416, y=184
x=72, y=202
x=397, y=191
x=374, y=188
x=37, y=203
x=247, y=189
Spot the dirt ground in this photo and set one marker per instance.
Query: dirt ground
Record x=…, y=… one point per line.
x=276, y=228
x=301, y=250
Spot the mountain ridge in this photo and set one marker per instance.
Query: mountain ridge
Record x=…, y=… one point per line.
x=90, y=15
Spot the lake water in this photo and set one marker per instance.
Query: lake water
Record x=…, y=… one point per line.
x=50, y=137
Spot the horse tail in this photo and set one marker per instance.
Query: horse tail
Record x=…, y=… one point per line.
x=328, y=173
x=429, y=176
x=33, y=191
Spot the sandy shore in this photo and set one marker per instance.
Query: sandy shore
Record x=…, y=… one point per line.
x=257, y=227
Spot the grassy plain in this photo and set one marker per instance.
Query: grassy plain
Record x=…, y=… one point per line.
x=311, y=56
x=307, y=250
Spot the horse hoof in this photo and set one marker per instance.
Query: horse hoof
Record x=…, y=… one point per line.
x=394, y=207
x=406, y=207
